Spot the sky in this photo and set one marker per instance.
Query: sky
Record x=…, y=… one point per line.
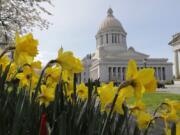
x=149, y=24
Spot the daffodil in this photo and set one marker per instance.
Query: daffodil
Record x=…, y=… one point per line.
x=107, y=93
x=143, y=119
x=69, y=94
x=47, y=95
x=69, y=62
x=169, y=109
x=24, y=77
x=28, y=77
x=144, y=79
x=4, y=62
x=138, y=106
x=52, y=75
x=82, y=91
x=167, y=131
x=178, y=128
x=26, y=49
x=36, y=65
x=139, y=111
x=12, y=72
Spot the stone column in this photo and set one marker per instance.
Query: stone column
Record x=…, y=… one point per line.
x=116, y=73
x=176, y=64
x=157, y=73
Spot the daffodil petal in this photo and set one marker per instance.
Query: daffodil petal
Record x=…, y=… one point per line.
x=145, y=75
x=131, y=70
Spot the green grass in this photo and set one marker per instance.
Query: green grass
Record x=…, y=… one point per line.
x=152, y=100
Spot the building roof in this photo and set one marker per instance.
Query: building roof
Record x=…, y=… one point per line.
x=175, y=39
x=110, y=22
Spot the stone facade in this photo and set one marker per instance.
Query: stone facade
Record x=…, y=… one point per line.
x=109, y=62
x=175, y=43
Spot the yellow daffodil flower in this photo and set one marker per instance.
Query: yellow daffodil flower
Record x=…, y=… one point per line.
x=178, y=128
x=82, y=91
x=144, y=79
x=69, y=94
x=139, y=111
x=138, y=106
x=4, y=62
x=36, y=65
x=26, y=49
x=12, y=72
x=52, y=75
x=69, y=62
x=47, y=95
x=169, y=110
x=143, y=119
x=28, y=78
x=24, y=77
x=107, y=93
x=168, y=131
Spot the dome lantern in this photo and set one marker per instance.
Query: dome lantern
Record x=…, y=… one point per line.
x=110, y=12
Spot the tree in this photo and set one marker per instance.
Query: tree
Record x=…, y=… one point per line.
x=21, y=16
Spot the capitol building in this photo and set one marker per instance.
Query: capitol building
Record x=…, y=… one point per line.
x=109, y=61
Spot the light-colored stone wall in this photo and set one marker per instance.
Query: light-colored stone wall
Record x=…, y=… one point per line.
x=116, y=56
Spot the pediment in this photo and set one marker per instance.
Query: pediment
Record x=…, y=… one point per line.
x=175, y=40
x=124, y=55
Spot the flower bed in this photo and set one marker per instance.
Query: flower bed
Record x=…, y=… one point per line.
x=48, y=101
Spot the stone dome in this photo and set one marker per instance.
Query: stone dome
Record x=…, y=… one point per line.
x=111, y=23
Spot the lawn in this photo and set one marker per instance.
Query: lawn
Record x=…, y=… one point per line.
x=152, y=100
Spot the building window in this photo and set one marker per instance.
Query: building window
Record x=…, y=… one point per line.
x=115, y=38
x=107, y=38
x=159, y=73
x=118, y=38
x=109, y=73
x=123, y=38
x=124, y=72
x=119, y=73
x=164, y=73
x=114, y=71
x=112, y=38
x=101, y=40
